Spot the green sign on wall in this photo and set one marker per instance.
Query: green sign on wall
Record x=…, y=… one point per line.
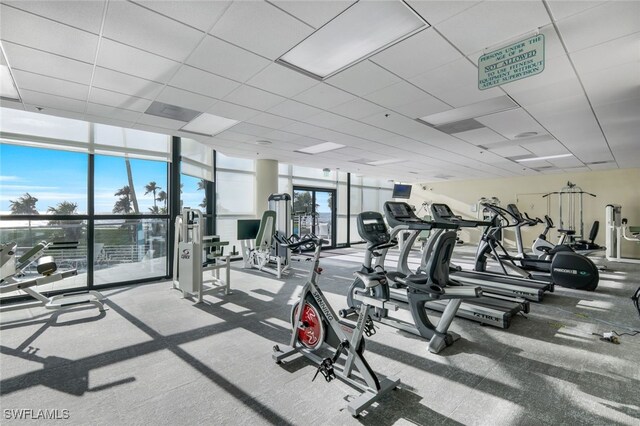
x=514, y=62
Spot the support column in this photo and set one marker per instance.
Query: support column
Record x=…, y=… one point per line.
x=266, y=183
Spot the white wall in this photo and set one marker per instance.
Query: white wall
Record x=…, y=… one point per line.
x=610, y=186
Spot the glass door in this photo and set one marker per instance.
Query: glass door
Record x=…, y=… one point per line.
x=314, y=213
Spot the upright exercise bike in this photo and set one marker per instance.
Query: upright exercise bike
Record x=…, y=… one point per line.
x=316, y=327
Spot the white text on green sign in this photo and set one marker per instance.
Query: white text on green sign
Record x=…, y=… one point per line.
x=514, y=62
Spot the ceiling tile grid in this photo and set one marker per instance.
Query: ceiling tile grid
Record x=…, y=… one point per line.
x=219, y=57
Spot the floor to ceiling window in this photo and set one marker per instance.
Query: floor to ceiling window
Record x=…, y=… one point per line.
x=367, y=194
x=103, y=190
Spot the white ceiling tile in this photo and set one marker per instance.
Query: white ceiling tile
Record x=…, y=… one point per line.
x=86, y=15
x=136, y=26
x=77, y=115
x=165, y=123
x=475, y=28
x=125, y=84
x=269, y=120
x=397, y=94
x=8, y=103
x=511, y=151
x=294, y=110
x=363, y=78
x=234, y=136
x=607, y=55
x=254, y=98
x=155, y=129
x=435, y=12
x=281, y=80
x=39, y=62
x=52, y=86
x=282, y=136
x=558, y=79
x=100, y=119
x=227, y=60
x=426, y=105
x=129, y=60
x=483, y=136
x=313, y=12
x=182, y=98
x=511, y=123
x=323, y=96
x=199, y=14
x=417, y=54
x=606, y=22
x=467, y=95
x=561, y=9
x=357, y=109
x=30, y=30
x=326, y=119
x=565, y=162
x=118, y=100
x=235, y=112
x=302, y=129
x=251, y=129
x=448, y=77
x=203, y=82
x=614, y=84
x=261, y=28
x=52, y=101
x=113, y=113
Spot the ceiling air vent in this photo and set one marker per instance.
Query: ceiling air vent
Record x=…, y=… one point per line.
x=174, y=112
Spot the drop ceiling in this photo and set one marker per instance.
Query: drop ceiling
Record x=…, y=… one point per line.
x=107, y=61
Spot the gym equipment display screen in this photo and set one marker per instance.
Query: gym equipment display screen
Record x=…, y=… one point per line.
x=401, y=191
x=399, y=210
x=248, y=229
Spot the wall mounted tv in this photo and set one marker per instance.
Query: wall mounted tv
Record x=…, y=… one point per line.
x=401, y=191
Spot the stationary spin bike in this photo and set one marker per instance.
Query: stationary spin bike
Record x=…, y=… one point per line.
x=316, y=327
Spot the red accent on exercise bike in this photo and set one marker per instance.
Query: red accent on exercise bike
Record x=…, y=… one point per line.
x=311, y=334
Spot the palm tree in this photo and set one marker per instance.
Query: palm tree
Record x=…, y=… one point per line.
x=152, y=187
x=162, y=197
x=64, y=208
x=202, y=185
x=72, y=228
x=24, y=205
x=155, y=210
x=123, y=205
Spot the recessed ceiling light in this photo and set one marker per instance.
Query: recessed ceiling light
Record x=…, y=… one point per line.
x=387, y=161
x=263, y=142
x=362, y=30
x=8, y=88
x=322, y=147
x=548, y=157
x=525, y=135
x=479, y=109
x=208, y=124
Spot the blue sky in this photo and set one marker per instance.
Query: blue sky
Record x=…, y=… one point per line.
x=54, y=176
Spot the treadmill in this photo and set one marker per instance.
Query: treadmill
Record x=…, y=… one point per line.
x=490, y=282
x=497, y=310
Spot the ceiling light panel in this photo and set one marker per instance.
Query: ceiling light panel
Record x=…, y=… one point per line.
x=548, y=157
x=209, y=124
x=386, y=161
x=322, y=147
x=359, y=32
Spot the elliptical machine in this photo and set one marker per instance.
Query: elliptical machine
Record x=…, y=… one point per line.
x=417, y=290
x=566, y=268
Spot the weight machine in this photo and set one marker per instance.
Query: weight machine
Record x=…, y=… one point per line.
x=618, y=229
x=195, y=254
x=12, y=278
x=570, y=203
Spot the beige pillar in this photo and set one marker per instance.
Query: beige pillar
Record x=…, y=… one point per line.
x=266, y=183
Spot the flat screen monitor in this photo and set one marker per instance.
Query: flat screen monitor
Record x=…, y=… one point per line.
x=248, y=229
x=401, y=191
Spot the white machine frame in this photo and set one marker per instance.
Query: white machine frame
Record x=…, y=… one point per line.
x=615, y=232
x=189, y=270
x=10, y=281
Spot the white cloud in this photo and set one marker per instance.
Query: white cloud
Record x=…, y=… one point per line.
x=8, y=178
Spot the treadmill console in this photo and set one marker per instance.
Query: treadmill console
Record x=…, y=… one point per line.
x=372, y=228
x=442, y=211
x=401, y=214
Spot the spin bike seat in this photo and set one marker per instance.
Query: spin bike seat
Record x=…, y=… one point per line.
x=371, y=280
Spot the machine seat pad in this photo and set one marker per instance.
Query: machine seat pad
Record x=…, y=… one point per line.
x=371, y=280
